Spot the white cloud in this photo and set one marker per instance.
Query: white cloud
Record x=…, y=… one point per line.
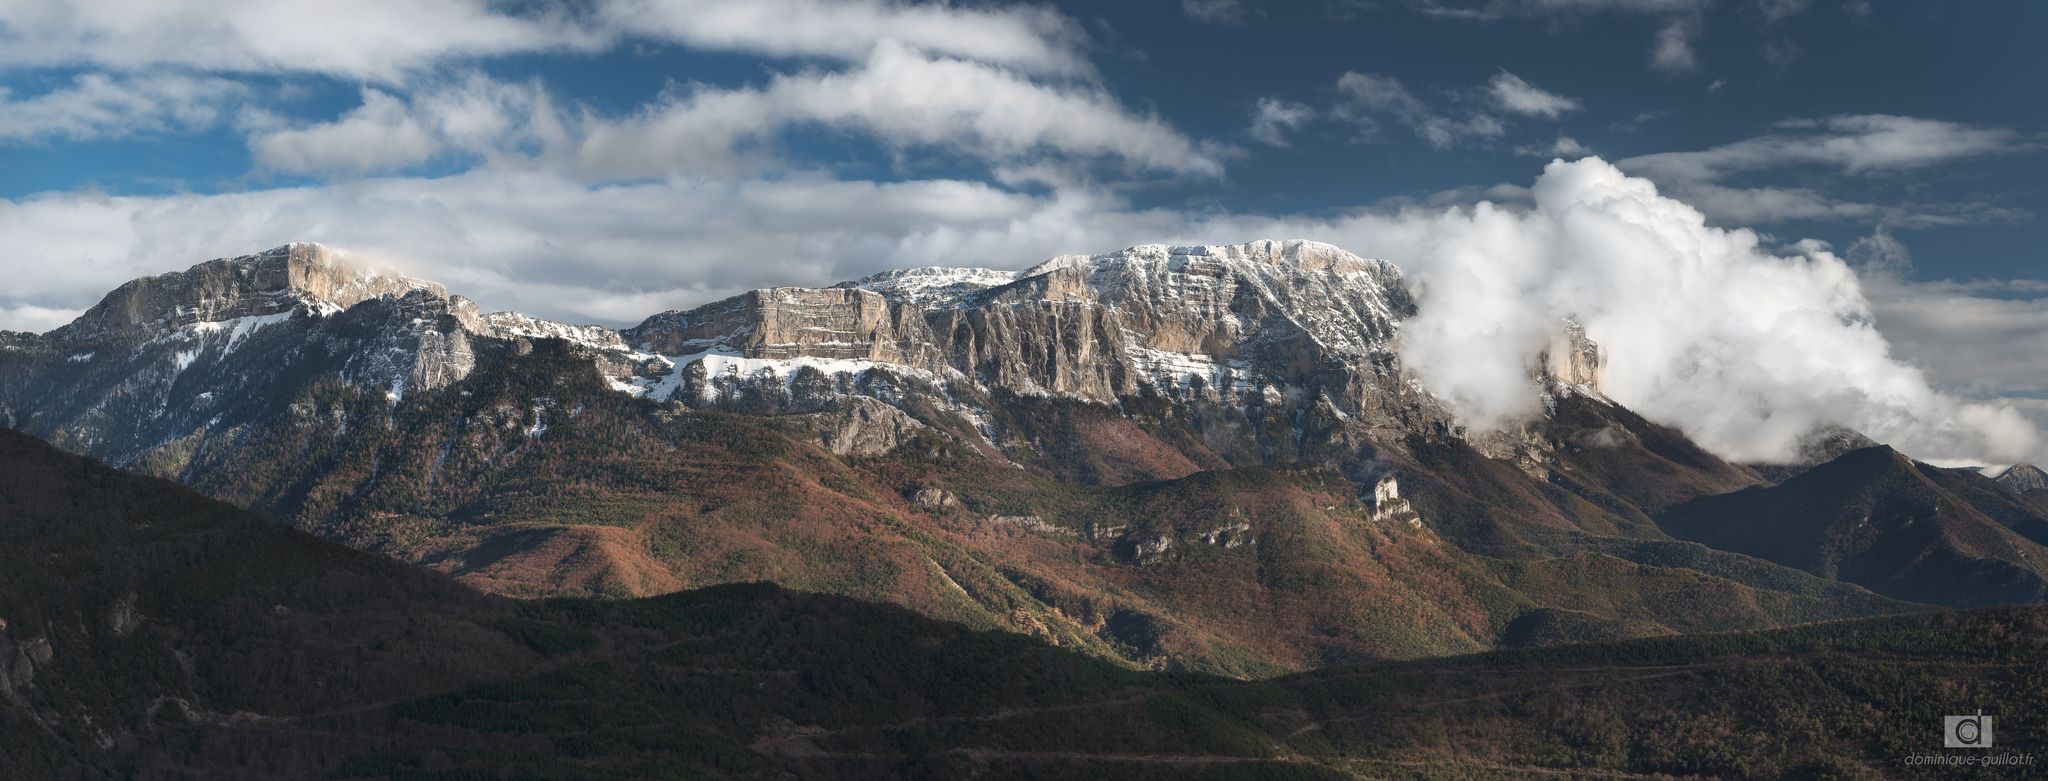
x=1492, y=10
x=1565, y=147
x=1854, y=143
x=1214, y=11
x=1881, y=253
x=1673, y=50
x=35, y=319
x=381, y=40
x=1859, y=145
x=381, y=134
x=1027, y=37
x=1515, y=96
x=474, y=115
x=391, y=41
x=901, y=97
x=553, y=245
x=1743, y=350
x=1366, y=95
x=1982, y=338
x=101, y=106
x=1779, y=10
x=1273, y=119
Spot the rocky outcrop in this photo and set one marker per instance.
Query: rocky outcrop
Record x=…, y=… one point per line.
x=1388, y=507
x=2023, y=478
x=835, y=323
x=232, y=342
x=863, y=427
x=1572, y=359
x=267, y=283
x=1293, y=334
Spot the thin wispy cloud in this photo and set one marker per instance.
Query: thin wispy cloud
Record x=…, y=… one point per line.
x=1860, y=145
x=1368, y=97
x=1515, y=96
x=1214, y=11
x=1273, y=119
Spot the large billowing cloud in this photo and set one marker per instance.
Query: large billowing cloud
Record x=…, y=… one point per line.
x=1744, y=349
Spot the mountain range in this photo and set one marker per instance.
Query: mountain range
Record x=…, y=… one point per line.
x=1202, y=459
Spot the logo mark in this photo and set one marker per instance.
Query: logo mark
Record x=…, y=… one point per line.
x=1966, y=731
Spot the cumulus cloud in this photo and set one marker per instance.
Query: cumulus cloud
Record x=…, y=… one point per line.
x=475, y=115
x=1273, y=119
x=95, y=106
x=1743, y=348
x=1513, y=95
x=380, y=134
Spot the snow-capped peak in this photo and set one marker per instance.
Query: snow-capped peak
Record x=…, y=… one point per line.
x=932, y=287
x=294, y=276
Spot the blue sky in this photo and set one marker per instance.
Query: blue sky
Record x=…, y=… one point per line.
x=599, y=161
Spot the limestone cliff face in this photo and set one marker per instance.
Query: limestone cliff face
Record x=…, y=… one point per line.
x=1572, y=359
x=834, y=323
x=1290, y=333
x=230, y=342
x=266, y=283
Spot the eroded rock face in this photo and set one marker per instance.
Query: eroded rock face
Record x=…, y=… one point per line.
x=1389, y=507
x=833, y=323
x=267, y=283
x=231, y=342
x=2023, y=478
x=863, y=427
x=1572, y=359
x=1265, y=337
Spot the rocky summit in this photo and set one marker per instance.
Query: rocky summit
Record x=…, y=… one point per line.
x=2024, y=478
